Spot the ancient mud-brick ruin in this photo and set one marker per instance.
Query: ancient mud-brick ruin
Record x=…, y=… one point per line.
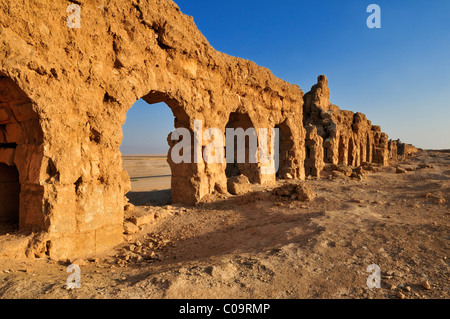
x=65, y=92
x=348, y=138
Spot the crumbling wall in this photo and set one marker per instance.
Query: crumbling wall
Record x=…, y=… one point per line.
x=80, y=84
x=348, y=137
x=399, y=151
x=65, y=92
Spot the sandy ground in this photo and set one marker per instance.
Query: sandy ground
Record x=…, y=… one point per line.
x=150, y=179
x=263, y=246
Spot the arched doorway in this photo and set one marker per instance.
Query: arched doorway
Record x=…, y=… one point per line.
x=21, y=154
x=146, y=151
x=244, y=159
x=9, y=194
x=351, y=152
x=286, y=152
x=368, y=150
x=342, y=151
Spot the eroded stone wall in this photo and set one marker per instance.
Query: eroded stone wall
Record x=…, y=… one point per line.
x=80, y=84
x=64, y=95
x=348, y=138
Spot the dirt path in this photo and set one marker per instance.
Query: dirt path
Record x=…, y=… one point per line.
x=262, y=246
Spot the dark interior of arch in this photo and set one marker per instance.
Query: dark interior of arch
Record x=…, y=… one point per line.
x=21, y=135
x=286, y=146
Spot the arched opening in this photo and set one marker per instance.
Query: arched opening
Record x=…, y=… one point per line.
x=341, y=151
x=9, y=194
x=21, y=154
x=368, y=150
x=146, y=150
x=244, y=158
x=351, y=151
x=362, y=152
x=286, y=155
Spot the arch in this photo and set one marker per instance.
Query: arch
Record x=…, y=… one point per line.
x=21, y=155
x=249, y=167
x=9, y=194
x=362, y=151
x=286, y=153
x=368, y=150
x=182, y=189
x=341, y=150
x=351, y=150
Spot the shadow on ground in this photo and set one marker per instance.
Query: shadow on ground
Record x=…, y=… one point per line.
x=151, y=198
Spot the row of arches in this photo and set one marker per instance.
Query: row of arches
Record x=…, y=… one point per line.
x=25, y=172
x=239, y=119
x=354, y=152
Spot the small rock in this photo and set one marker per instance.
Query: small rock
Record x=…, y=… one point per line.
x=130, y=228
x=400, y=295
x=238, y=185
x=339, y=175
x=346, y=170
x=400, y=170
x=439, y=201
x=305, y=193
x=220, y=188
x=426, y=285
x=392, y=287
x=79, y=262
x=390, y=273
x=129, y=208
x=408, y=288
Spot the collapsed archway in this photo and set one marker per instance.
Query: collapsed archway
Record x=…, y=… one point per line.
x=21, y=153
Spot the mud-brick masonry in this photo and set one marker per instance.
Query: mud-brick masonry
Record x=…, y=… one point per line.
x=65, y=92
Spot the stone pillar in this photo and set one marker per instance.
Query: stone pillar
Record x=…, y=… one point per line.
x=314, y=152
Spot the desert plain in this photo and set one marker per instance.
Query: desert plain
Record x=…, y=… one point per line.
x=264, y=245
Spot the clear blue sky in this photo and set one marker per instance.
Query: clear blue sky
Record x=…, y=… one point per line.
x=399, y=75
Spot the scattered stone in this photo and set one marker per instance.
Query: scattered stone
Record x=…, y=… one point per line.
x=346, y=170
x=220, y=188
x=392, y=287
x=339, y=175
x=426, y=285
x=400, y=295
x=295, y=191
x=79, y=262
x=408, y=288
x=390, y=273
x=130, y=228
x=238, y=185
x=143, y=219
x=305, y=193
x=129, y=208
x=400, y=170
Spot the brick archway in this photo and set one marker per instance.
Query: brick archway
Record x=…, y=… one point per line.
x=21, y=154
